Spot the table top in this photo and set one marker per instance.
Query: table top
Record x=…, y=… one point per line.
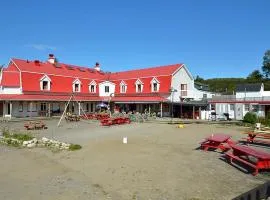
x=218, y=137
x=252, y=151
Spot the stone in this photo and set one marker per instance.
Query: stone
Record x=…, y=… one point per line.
x=34, y=140
x=25, y=143
x=31, y=145
x=44, y=140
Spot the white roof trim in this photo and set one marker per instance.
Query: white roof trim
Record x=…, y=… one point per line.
x=107, y=82
x=93, y=82
x=45, y=76
x=154, y=80
x=123, y=83
x=138, y=81
x=77, y=81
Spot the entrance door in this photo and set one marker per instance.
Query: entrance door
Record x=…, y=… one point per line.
x=1, y=108
x=8, y=108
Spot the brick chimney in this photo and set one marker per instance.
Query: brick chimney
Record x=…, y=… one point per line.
x=97, y=67
x=51, y=59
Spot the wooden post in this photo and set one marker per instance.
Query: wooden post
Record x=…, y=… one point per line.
x=149, y=109
x=193, y=112
x=30, y=109
x=161, y=114
x=10, y=109
x=200, y=110
x=49, y=109
x=79, y=105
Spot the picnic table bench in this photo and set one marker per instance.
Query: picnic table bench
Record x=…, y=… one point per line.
x=264, y=137
x=32, y=125
x=217, y=141
x=244, y=153
x=116, y=120
x=72, y=118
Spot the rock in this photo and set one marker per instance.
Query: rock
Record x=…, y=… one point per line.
x=44, y=140
x=31, y=145
x=34, y=140
x=25, y=143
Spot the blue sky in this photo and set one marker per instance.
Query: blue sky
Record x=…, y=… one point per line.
x=213, y=38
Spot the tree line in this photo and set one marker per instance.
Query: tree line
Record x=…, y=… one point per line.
x=228, y=85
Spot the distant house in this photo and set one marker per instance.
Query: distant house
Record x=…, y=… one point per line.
x=36, y=88
x=248, y=98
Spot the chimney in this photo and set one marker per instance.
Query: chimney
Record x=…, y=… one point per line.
x=51, y=59
x=37, y=62
x=97, y=67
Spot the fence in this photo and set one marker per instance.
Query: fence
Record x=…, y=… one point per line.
x=258, y=193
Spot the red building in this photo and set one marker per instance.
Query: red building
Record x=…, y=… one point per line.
x=34, y=88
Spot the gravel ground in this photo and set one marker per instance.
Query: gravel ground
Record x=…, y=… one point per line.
x=159, y=162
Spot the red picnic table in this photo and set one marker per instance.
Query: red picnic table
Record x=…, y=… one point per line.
x=253, y=137
x=217, y=141
x=243, y=154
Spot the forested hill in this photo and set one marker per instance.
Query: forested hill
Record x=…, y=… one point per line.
x=228, y=85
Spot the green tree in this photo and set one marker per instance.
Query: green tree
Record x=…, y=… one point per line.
x=255, y=76
x=266, y=64
x=199, y=79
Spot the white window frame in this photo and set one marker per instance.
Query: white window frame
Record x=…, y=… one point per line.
x=139, y=82
x=123, y=87
x=43, y=79
x=94, y=84
x=75, y=82
x=155, y=81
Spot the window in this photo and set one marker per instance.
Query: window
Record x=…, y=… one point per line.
x=76, y=87
x=204, y=96
x=32, y=107
x=92, y=88
x=183, y=89
x=139, y=88
x=246, y=107
x=87, y=107
x=232, y=107
x=43, y=106
x=21, y=107
x=123, y=87
x=107, y=89
x=255, y=108
x=45, y=83
x=154, y=85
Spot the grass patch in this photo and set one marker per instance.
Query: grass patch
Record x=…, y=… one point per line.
x=74, y=147
x=21, y=137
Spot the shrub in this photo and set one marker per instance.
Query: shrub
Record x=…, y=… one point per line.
x=250, y=117
x=74, y=147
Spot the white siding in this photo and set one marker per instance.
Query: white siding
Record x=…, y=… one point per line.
x=102, y=88
x=11, y=90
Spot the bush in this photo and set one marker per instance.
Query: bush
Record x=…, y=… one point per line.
x=74, y=147
x=250, y=117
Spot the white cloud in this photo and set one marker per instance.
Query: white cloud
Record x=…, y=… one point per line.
x=41, y=47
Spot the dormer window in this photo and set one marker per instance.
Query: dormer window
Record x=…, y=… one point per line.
x=155, y=85
x=76, y=86
x=92, y=87
x=107, y=89
x=123, y=87
x=45, y=83
x=139, y=86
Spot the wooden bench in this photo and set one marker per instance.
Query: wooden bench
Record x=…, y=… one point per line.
x=252, y=137
x=243, y=154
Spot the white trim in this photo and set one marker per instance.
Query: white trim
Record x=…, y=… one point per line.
x=93, y=82
x=122, y=83
x=107, y=82
x=137, y=83
x=45, y=77
x=183, y=66
x=155, y=80
x=76, y=81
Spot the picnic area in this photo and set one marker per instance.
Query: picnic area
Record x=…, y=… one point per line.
x=159, y=161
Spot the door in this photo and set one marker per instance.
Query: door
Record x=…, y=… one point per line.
x=1, y=108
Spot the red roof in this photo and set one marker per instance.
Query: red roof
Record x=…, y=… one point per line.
x=59, y=69
x=146, y=72
x=10, y=79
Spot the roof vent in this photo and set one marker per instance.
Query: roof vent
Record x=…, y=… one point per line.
x=51, y=59
x=37, y=62
x=97, y=67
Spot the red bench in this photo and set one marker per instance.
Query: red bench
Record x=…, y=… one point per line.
x=243, y=154
x=112, y=121
x=217, y=141
x=264, y=138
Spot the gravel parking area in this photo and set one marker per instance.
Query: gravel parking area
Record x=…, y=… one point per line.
x=159, y=162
